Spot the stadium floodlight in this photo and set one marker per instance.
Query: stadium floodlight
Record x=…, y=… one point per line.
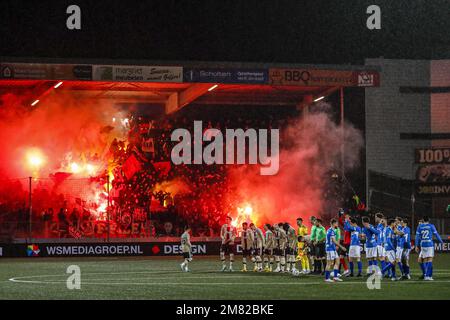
x=58, y=84
x=213, y=87
x=319, y=98
x=35, y=102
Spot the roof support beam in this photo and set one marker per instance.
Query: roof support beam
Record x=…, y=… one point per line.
x=178, y=100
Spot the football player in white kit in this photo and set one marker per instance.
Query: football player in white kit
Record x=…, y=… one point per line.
x=269, y=246
x=291, y=247
x=280, y=247
x=258, y=247
x=247, y=241
x=228, y=235
x=186, y=249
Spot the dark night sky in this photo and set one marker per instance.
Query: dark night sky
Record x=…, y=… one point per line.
x=312, y=31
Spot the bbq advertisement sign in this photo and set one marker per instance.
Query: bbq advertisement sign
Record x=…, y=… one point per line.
x=320, y=77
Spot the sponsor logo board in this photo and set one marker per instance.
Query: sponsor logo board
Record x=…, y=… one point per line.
x=138, y=73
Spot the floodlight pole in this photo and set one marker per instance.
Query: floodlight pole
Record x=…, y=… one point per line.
x=108, y=207
x=341, y=94
x=30, y=213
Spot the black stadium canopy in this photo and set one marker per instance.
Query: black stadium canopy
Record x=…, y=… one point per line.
x=178, y=84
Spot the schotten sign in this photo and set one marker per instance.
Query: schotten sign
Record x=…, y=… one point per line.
x=220, y=75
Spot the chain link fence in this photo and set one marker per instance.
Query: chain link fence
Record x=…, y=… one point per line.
x=63, y=207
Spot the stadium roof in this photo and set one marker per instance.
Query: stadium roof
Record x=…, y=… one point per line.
x=177, y=84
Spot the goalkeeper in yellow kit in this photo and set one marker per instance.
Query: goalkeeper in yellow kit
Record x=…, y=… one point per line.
x=303, y=248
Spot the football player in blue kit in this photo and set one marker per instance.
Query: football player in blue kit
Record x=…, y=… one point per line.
x=424, y=244
x=400, y=241
x=370, y=234
x=354, y=253
x=332, y=256
x=390, y=247
x=406, y=249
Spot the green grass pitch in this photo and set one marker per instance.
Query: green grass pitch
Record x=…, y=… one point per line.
x=161, y=278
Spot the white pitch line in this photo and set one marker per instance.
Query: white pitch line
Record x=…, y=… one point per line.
x=214, y=283
x=207, y=275
x=17, y=279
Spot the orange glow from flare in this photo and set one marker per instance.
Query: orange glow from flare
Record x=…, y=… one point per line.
x=35, y=158
x=245, y=214
x=74, y=167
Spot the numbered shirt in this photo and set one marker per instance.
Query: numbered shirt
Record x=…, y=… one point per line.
x=371, y=236
x=259, y=237
x=354, y=233
x=292, y=237
x=228, y=233
x=280, y=238
x=247, y=239
x=400, y=238
x=389, y=243
x=407, y=238
x=381, y=234
x=329, y=243
x=302, y=231
x=270, y=240
x=424, y=235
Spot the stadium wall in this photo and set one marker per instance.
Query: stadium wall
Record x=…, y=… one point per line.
x=409, y=110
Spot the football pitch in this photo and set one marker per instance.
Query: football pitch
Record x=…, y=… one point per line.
x=161, y=278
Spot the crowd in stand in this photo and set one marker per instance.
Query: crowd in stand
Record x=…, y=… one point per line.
x=151, y=197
